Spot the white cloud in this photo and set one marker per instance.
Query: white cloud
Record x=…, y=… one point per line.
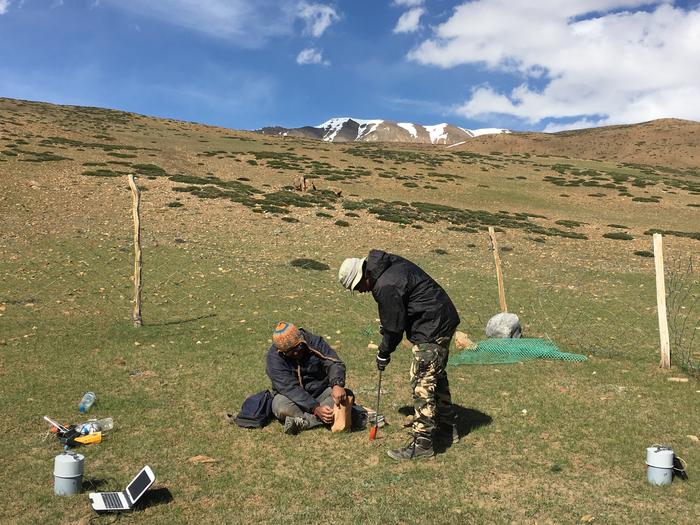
x=244, y=22
x=593, y=65
x=4, y=5
x=317, y=17
x=407, y=3
x=409, y=22
x=311, y=56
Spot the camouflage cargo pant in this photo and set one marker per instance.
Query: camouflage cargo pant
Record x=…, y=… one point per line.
x=432, y=401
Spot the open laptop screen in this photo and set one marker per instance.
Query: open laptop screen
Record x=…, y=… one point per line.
x=138, y=485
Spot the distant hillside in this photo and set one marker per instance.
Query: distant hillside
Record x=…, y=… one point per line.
x=671, y=142
x=346, y=129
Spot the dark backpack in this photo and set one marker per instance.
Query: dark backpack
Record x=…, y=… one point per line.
x=256, y=410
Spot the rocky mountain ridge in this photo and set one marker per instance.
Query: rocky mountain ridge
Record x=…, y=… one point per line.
x=347, y=129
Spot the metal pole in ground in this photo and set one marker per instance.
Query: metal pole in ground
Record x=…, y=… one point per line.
x=375, y=427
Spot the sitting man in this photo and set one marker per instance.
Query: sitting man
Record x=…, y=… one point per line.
x=308, y=378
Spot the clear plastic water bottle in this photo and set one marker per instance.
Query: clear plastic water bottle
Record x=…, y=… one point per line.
x=86, y=402
x=96, y=425
x=105, y=424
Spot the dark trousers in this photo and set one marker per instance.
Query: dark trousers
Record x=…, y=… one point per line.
x=283, y=407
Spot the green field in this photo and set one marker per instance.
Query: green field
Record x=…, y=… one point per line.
x=543, y=442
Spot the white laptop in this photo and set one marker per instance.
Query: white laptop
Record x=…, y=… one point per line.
x=117, y=501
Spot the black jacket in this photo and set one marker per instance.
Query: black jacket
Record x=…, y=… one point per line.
x=302, y=381
x=409, y=301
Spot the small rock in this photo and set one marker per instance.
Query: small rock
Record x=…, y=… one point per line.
x=462, y=341
x=372, y=346
x=136, y=343
x=693, y=438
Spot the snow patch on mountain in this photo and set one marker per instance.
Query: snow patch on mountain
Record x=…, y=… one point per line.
x=366, y=127
x=485, y=131
x=408, y=127
x=437, y=132
x=332, y=127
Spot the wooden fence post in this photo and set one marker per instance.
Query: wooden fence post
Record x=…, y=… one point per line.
x=499, y=274
x=136, y=201
x=661, y=302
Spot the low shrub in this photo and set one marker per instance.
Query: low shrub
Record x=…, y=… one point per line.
x=309, y=264
x=620, y=236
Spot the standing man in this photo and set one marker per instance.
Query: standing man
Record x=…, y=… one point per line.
x=307, y=377
x=410, y=301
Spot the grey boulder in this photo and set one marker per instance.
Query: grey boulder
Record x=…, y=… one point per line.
x=504, y=326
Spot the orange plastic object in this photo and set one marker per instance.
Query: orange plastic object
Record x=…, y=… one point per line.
x=373, y=433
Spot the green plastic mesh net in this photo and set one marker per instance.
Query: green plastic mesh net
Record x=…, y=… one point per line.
x=504, y=351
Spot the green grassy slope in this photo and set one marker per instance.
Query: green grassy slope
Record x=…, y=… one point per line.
x=544, y=442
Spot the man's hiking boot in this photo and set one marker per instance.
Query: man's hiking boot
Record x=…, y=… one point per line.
x=416, y=448
x=446, y=434
x=294, y=425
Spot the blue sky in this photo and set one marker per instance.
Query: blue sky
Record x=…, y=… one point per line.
x=545, y=65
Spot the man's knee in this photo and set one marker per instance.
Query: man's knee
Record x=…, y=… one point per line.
x=283, y=407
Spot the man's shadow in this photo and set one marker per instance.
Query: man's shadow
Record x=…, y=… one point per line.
x=467, y=420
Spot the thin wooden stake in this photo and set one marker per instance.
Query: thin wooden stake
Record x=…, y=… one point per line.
x=661, y=302
x=499, y=274
x=136, y=201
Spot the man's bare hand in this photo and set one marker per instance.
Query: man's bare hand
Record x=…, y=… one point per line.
x=338, y=394
x=325, y=414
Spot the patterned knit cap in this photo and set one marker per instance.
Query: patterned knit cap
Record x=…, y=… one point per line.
x=286, y=336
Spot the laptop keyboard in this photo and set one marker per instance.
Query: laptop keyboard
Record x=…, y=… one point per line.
x=112, y=500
